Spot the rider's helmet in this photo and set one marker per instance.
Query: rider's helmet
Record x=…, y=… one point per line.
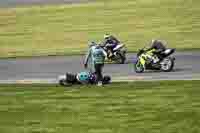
x=153, y=41
x=83, y=77
x=106, y=36
x=92, y=44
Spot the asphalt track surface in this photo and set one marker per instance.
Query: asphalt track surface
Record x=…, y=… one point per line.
x=47, y=69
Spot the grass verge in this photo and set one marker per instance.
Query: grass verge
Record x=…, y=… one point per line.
x=66, y=29
x=140, y=107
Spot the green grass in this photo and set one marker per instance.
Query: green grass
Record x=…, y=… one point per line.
x=66, y=29
x=140, y=107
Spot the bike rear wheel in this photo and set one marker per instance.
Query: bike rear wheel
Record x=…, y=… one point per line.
x=120, y=59
x=167, y=64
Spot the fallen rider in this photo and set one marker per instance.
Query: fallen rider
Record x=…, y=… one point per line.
x=81, y=78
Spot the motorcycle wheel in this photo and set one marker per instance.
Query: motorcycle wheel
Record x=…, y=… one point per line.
x=138, y=67
x=167, y=64
x=120, y=59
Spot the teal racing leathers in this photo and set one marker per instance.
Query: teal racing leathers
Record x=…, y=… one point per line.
x=95, y=61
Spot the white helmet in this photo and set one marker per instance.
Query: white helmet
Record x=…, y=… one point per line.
x=92, y=43
x=153, y=41
x=106, y=36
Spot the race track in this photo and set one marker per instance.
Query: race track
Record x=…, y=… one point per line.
x=47, y=69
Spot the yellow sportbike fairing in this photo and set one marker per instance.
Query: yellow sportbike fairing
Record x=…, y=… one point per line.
x=150, y=52
x=142, y=59
x=146, y=56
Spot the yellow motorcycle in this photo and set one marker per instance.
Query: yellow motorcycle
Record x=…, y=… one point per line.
x=145, y=60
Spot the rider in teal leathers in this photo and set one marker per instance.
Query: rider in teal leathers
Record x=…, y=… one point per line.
x=83, y=77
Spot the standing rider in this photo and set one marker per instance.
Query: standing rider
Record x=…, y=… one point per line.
x=95, y=58
x=111, y=43
x=157, y=46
